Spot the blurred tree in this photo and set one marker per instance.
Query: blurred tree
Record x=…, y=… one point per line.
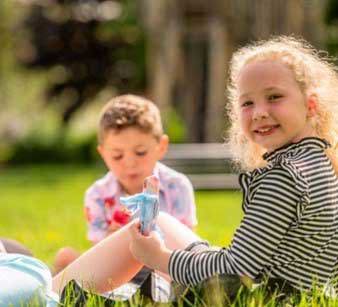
x=191, y=41
x=331, y=12
x=88, y=45
x=331, y=20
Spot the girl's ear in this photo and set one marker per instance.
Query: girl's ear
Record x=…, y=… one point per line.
x=312, y=105
x=163, y=146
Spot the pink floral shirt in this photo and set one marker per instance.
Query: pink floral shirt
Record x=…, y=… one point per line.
x=102, y=201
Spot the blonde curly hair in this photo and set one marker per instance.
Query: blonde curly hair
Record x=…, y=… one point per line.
x=315, y=75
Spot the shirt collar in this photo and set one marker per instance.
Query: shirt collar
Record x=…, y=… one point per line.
x=309, y=142
x=114, y=187
x=156, y=172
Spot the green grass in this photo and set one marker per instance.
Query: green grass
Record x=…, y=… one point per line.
x=42, y=207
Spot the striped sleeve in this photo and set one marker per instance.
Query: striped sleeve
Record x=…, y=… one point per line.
x=271, y=210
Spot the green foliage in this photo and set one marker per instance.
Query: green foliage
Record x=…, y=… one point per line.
x=94, y=45
x=331, y=19
x=47, y=142
x=174, y=126
x=331, y=12
x=51, y=149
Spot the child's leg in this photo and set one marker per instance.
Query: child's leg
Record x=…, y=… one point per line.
x=176, y=235
x=64, y=257
x=105, y=266
x=110, y=263
x=2, y=248
x=14, y=247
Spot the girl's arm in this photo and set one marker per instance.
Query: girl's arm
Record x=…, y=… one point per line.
x=267, y=219
x=150, y=250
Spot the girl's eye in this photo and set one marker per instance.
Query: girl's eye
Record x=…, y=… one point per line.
x=274, y=97
x=141, y=153
x=116, y=158
x=246, y=103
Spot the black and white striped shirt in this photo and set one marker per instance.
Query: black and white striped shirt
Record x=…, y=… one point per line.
x=290, y=224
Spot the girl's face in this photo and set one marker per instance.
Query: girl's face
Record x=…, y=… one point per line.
x=131, y=155
x=273, y=110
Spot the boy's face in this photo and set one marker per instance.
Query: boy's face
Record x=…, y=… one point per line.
x=131, y=155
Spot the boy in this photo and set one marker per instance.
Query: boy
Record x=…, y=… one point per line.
x=131, y=142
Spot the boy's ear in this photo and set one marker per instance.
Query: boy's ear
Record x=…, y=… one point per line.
x=99, y=149
x=163, y=146
x=312, y=105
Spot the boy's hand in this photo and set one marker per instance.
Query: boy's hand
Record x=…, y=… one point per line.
x=150, y=250
x=113, y=226
x=120, y=218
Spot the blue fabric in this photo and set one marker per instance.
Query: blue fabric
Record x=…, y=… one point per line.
x=24, y=280
x=147, y=204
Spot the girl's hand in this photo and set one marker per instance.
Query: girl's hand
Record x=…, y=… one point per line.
x=150, y=250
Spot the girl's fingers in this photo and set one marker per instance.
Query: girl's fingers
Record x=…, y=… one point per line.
x=155, y=235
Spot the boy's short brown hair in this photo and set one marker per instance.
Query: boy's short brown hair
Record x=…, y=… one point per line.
x=130, y=111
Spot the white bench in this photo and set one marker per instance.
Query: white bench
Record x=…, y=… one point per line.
x=208, y=165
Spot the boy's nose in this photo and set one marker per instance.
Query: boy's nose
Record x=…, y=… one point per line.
x=130, y=161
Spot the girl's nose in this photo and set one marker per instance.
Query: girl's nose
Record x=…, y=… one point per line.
x=260, y=113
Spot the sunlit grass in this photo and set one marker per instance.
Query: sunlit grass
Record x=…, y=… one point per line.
x=42, y=207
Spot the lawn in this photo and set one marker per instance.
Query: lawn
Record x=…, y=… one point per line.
x=41, y=206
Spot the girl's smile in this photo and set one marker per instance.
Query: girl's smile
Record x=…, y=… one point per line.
x=266, y=130
x=273, y=109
